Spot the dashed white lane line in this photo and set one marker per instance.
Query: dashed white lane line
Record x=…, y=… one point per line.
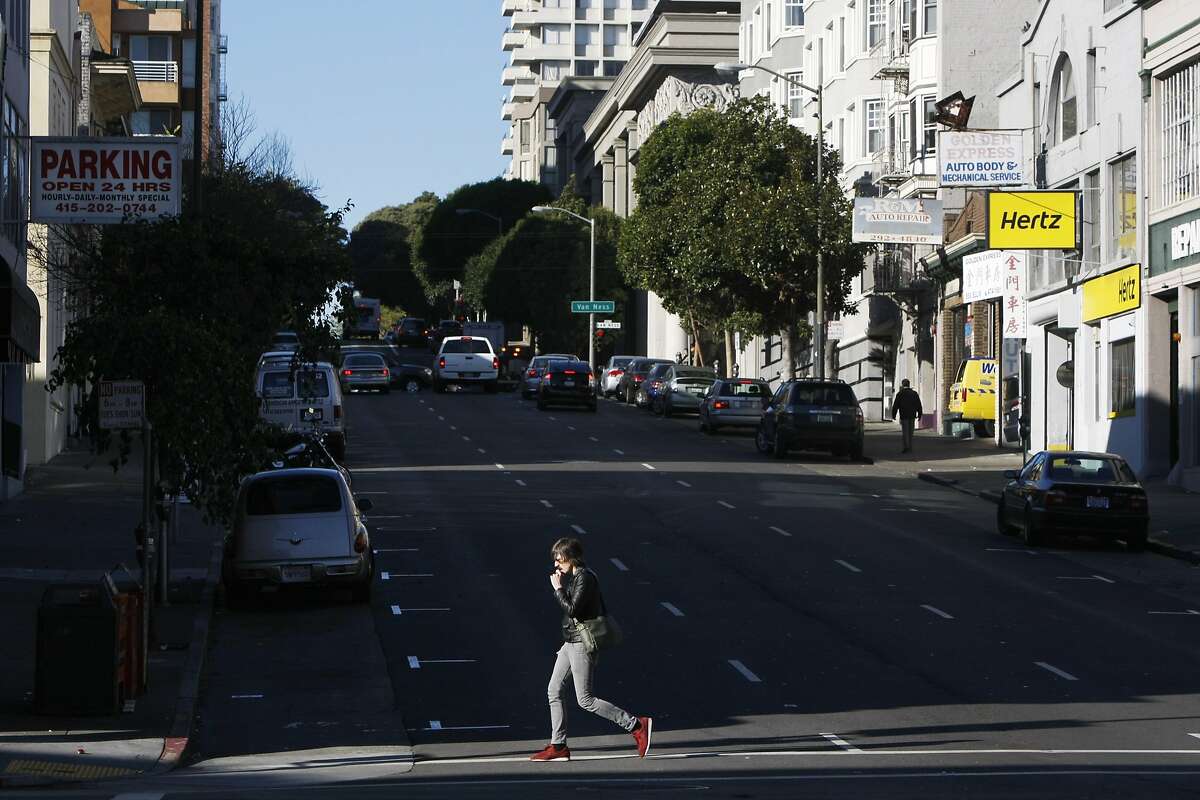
x=570, y=427
x=521, y=482
x=672, y=609
x=578, y=529
x=727, y=505
x=441, y=418
x=397, y=610
x=847, y=565
x=431, y=410
x=1060, y=673
x=554, y=419
x=436, y=725
x=546, y=503
x=1197, y=735
x=684, y=484
x=618, y=452
x=499, y=466
x=746, y=673
x=466, y=438
x=1085, y=578
x=616, y=562
x=648, y=466
x=416, y=663
x=1009, y=550
x=840, y=742
x=481, y=450
x=453, y=427
x=938, y=611
x=593, y=438
x=396, y=550
x=254, y=696
x=780, y=531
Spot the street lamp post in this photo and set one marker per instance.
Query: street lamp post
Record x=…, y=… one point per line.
x=591, y=277
x=819, y=328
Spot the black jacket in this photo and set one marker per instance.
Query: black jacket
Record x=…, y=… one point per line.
x=908, y=403
x=579, y=598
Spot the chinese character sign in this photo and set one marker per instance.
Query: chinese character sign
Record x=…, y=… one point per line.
x=1014, y=295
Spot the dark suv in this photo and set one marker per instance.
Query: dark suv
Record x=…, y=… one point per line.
x=808, y=414
x=411, y=332
x=567, y=383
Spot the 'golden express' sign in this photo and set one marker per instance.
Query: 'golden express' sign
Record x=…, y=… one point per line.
x=1114, y=293
x=1032, y=221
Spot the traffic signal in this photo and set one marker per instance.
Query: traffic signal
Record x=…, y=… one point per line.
x=600, y=333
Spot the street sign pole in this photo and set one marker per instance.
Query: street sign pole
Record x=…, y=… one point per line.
x=592, y=301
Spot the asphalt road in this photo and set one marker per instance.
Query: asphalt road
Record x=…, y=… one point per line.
x=798, y=628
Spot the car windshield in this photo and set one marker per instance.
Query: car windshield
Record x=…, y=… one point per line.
x=695, y=373
x=569, y=366
x=823, y=395
x=293, y=494
x=467, y=346
x=1080, y=469
x=277, y=384
x=620, y=363
x=748, y=389
x=363, y=361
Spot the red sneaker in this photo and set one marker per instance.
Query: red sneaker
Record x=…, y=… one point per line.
x=641, y=735
x=552, y=753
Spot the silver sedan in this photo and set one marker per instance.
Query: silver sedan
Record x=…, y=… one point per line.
x=299, y=527
x=734, y=402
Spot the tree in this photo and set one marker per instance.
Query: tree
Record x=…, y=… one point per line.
x=726, y=228
x=187, y=305
x=381, y=252
x=448, y=240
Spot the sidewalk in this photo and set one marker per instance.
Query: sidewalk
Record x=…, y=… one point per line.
x=74, y=521
x=976, y=467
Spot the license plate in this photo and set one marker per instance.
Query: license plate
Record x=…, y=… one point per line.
x=1097, y=502
x=826, y=419
x=568, y=383
x=698, y=392
x=300, y=574
x=309, y=414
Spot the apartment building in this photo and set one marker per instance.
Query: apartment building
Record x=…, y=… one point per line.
x=159, y=38
x=1170, y=346
x=19, y=312
x=547, y=42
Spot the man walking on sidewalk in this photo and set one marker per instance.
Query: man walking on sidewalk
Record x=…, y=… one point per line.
x=578, y=594
x=907, y=404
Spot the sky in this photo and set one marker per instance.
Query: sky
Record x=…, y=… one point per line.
x=380, y=99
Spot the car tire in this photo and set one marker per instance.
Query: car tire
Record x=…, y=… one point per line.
x=541, y=405
x=779, y=447
x=361, y=592
x=1135, y=542
x=1002, y=526
x=438, y=386
x=856, y=451
x=761, y=442
x=628, y=397
x=667, y=411
x=386, y=390
x=412, y=386
x=985, y=430
x=1029, y=532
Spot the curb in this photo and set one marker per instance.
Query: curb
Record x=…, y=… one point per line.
x=1152, y=545
x=176, y=741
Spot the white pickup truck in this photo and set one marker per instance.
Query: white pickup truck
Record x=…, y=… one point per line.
x=465, y=360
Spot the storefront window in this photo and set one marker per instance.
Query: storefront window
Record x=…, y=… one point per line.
x=1124, y=209
x=1121, y=378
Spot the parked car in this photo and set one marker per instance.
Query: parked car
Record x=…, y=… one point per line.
x=300, y=527
x=532, y=378
x=447, y=327
x=610, y=375
x=411, y=332
x=410, y=378
x=285, y=340
x=651, y=385
x=808, y=414
x=365, y=371
x=567, y=383
x=734, y=402
x=466, y=360
x=635, y=374
x=1075, y=492
x=683, y=388
x=304, y=398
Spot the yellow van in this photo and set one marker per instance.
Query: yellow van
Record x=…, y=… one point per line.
x=973, y=394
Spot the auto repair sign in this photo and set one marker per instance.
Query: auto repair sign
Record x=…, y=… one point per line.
x=981, y=158
x=99, y=181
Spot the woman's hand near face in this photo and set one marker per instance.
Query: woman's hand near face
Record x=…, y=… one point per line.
x=556, y=579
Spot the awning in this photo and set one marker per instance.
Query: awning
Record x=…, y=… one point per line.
x=20, y=320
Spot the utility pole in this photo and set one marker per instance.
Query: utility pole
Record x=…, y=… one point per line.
x=198, y=112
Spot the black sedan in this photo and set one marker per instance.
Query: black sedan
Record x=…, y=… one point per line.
x=410, y=378
x=567, y=383
x=1092, y=494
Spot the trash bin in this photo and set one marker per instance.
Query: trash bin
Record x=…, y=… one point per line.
x=130, y=633
x=78, y=668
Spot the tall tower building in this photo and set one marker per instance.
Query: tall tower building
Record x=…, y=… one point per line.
x=547, y=41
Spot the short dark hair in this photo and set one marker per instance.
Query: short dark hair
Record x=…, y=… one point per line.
x=569, y=550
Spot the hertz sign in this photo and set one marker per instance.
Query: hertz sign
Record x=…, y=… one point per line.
x=1115, y=293
x=1033, y=220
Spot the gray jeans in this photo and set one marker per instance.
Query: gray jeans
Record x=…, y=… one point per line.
x=906, y=430
x=574, y=661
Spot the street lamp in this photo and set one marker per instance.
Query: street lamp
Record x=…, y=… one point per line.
x=819, y=328
x=591, y=277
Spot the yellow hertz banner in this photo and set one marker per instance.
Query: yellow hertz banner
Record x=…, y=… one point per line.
x=1114, y=293
x=1032, y=221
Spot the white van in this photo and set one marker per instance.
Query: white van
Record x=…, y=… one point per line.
x=306, y=399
